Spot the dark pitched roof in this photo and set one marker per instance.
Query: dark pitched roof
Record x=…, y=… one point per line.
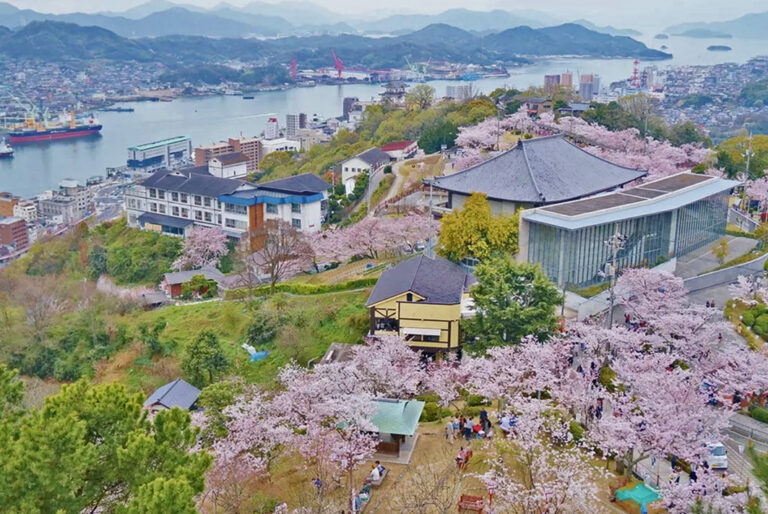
x=162, y=219
x=230, y=158
x=436, y=279
x=540, y=171
x=181, y=277
x=372, y=156
x=174, y=394
x=304, y=183
x=191, y=181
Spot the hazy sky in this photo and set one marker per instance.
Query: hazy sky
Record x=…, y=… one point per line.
x=630, y=13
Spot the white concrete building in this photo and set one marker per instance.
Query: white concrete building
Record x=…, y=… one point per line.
x=279, y=145
x=364, y=162
x=228, y=165
x=272, y=130
x=308, y=138
x=26, y=210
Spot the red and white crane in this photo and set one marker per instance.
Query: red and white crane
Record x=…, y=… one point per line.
x=338, y=63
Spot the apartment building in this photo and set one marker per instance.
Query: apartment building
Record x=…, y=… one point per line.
x=250, y=147
x=13, y=231
x=7, y=203
x=26, y=210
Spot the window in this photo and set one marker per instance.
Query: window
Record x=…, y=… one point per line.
x=219, y=216
x=185, y=213
x=153, y=193
x=235, y=209
x=409, y=297
x=199, y=215
x=296, y=208
x=198, y=200
x=296, y=223
x=271, y=209
x=207, y=201
x=175, y=197
x=208, y=217
x=161, y=194
x=183, y=197
x=153, y=206
x=230, y=223
x=175, y=211
x=162, y=208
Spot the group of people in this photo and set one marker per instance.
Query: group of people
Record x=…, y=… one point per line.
x=377, y=471
x=467, y=428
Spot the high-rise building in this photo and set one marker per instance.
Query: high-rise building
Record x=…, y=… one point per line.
x=589, y=86
x=348, y=105
x=459, y=92
x=272, y=130
x=566, y=79
x=7, y=203
x=551, y=82
x=250, y=147
x=294, y=122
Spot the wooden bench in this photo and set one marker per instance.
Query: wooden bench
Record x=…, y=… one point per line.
x=473, y=503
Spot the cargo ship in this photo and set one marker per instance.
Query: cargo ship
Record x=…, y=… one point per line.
x=6, y=152
x=36, y=130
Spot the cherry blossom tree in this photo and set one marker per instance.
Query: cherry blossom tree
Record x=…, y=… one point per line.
x=749, y=289
x=483, y=136
x=758, y=190
x=468, y=158
x=284, y=251
x=204, y=246
x=373, y=236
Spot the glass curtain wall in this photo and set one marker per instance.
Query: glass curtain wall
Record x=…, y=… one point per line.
x=579, y=258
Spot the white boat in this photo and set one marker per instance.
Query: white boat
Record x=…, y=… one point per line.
x=6, y=151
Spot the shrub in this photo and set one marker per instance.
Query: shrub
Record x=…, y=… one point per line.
x=760, y=414
x=471, y=411
x=761, y=325
x=262, y=330
x=431, y=412
x=388, y=168
x=429, y=397
x=303, y=289
x=606, y=377
x=748, y=318
x=474, y=400
x=577, y=431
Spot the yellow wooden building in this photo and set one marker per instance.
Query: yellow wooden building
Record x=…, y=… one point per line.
x=422, y=300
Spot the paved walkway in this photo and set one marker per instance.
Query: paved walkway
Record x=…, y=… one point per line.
x=703, y=259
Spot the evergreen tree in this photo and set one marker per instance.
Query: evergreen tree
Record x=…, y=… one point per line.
x=204, y=359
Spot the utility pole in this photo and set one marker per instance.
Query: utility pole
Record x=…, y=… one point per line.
x=616, y=241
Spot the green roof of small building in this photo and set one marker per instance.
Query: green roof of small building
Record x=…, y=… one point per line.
x=399, y=417
x=155, y=144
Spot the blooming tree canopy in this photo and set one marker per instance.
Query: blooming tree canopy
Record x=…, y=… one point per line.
x=204, y=246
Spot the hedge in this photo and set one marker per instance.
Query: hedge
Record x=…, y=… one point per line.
x=302, y=288
x=577, y=431
x=760, y=414
x=740, y=233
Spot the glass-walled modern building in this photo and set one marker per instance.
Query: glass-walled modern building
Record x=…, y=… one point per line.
x=667, y=218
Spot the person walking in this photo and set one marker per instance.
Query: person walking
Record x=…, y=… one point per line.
x=449, y=431
x=468, y=429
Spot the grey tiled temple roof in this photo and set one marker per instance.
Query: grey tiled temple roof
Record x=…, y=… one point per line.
x=540, y=171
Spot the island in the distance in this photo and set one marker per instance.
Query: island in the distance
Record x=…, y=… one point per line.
x=719, y=48
x=704, y=34
x=661, y=36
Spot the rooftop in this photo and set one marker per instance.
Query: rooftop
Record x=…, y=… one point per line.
x=230, y=158
x=654, y=197
x=192, y=181
x=156, y=144
x=540, y=171
x=372, y=156
x=9, y=220
x=397, y=145
x=397, y=417
x=437, y=280
x=304, y=188
x=180, y=277
x=162, y=219
x=174, y=394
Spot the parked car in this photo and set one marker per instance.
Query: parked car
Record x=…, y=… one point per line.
x=718, y=456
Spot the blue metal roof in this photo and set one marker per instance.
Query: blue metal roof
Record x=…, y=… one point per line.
x=254, y=198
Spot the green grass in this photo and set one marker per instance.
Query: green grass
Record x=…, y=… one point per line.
x=383, y=188
x=590, y=291
x=309, y=324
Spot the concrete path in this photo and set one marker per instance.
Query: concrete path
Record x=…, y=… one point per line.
x=704, y=259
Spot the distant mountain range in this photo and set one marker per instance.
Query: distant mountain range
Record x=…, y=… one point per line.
x=608, y=29
x=57, y=40
x=157, y=18
x=750, y=26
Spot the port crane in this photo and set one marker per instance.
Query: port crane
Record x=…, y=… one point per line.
x=293, y=68
x=338, y=63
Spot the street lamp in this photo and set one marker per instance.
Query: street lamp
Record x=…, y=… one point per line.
x=616, y=242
